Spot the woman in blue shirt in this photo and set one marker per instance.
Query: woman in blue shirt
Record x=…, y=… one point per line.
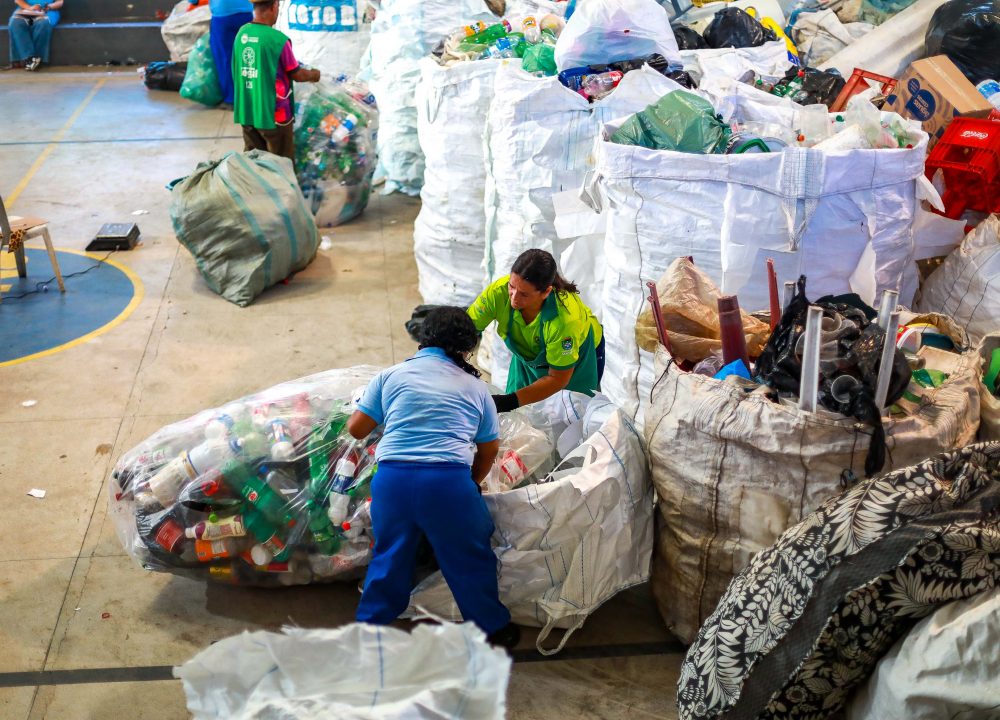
x=31, y=32
x=440, y=439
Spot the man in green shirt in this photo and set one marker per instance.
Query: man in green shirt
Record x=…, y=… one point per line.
x=264, y=69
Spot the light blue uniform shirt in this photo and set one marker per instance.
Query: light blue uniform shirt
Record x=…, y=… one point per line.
x=433, y=411
x=221, y=8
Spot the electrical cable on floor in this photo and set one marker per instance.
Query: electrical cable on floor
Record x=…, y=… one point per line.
x=43, y=286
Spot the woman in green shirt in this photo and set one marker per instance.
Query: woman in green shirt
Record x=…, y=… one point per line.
x=554, y=338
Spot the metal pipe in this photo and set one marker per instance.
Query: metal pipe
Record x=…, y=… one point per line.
x=809, y=382
x=890, y=298
x=789, y=293
x=885, y=364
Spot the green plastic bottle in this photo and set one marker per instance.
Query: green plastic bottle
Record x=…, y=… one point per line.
x=257, y=492
x=490, y=34
x=321, y=443
x=271, y=545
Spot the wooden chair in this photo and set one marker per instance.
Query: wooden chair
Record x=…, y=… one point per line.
x=14, y=233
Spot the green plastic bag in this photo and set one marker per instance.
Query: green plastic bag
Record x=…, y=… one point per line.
x=679, y=121
x=539, y=58
x=244, y=220
x=201, y=83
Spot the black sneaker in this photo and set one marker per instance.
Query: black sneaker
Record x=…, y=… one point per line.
x=508, y=636
x=32, y=64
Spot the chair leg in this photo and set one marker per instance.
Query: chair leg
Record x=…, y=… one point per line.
x=22, y=269
x=52, y=258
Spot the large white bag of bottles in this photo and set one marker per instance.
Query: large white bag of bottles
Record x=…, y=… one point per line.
x=448, y=235
x=183, y=27
x=403, y=32
x=329, y=36
x=843, y=218
x=570, y=542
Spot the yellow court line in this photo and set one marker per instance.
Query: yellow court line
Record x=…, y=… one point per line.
x=19, y=188
x=137, y=295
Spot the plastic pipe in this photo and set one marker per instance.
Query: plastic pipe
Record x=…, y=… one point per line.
x=772, y=291
x=809, y=382
x=734, y=342
x=789, y=293
x=890, y=298
x=885, y=364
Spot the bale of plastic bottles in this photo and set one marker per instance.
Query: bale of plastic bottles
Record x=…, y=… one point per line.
x=335, y=130
x=271, y=489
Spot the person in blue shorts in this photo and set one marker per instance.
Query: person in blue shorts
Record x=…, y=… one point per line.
x=441, y=436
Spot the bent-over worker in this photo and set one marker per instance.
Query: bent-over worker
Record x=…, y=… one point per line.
x=440, y=439
x=554, y=338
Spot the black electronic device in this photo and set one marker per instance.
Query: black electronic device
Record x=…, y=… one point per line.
x=115, y=236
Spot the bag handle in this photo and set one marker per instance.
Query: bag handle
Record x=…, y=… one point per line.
x=545, y=631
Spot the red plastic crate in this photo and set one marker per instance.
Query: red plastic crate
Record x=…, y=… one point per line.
x=969, y=156
x=858, y=82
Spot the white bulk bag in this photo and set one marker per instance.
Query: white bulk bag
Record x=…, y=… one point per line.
x=355, y=671
x=403, y=32
x=570, y=542
x=606, y=31
x=329, y=36
x=733, y=470
x=945, y=667
x=449, y=233
x=183, y=27
x=967, y=285
x=844, y=219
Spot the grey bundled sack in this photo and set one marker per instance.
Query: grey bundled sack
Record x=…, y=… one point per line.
x=244, y=220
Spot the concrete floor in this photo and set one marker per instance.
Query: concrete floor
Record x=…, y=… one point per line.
x=85, y=148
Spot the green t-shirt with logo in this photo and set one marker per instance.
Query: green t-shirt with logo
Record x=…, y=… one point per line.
x=255, y=70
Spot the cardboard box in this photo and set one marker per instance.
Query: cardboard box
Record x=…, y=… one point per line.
x=933, y=91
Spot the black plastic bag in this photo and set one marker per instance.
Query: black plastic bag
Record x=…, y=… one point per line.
x=735, y=28
x=819, y=87
x=416, y=321
x=852, y=351
x=688, y=38
x=165, y=75
x=968, y=32
x=682, y=77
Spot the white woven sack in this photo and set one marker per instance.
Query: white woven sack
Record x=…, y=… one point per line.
x=570, y=543
x=182, y=28
x=449, y=233
x=540, y=139
x=330, y=37
x=403, y=32
x=967, y=285
x=733, y=470
x=844, y=219
x=768, y=60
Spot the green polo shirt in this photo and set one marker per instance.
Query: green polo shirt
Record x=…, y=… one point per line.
x=568, y=321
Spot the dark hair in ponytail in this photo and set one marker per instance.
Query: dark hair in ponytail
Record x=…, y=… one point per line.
x=539, y=268
x=451, y=329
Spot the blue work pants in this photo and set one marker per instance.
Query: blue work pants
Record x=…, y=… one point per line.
x=440, y=501
x=221, y=36
x=31, y=37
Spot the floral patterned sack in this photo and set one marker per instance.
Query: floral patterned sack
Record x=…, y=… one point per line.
x=810, y=617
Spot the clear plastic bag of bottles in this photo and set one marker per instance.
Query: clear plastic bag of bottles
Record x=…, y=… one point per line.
x=267, y=490
x=335, y=132
x=271, y=489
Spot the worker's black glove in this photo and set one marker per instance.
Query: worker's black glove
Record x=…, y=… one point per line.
x=506, y=403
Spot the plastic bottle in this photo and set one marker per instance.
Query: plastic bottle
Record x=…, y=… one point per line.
x=270, y=543
x=219, y=427
x=164, y=487
x=218, y=529
x=280, y=436
x=209, y=550
x=532, y=33
x=169, y=535
x=595, y=87
x=474, y=29
x=281, y=480
x=990, y=89
x=343, y=479
x=814, y=121
x=319, y=447
x=258, y=493
x=490, y=34
x=734, y=344
x=324, y=534
x=502, y=48
x=344, y=128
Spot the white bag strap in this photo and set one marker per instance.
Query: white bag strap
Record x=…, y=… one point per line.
x=544, y=634
x=801, y=186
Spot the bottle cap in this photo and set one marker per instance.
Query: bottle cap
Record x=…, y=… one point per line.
x=346, y=526
x=191, y=532
x=260, y=555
